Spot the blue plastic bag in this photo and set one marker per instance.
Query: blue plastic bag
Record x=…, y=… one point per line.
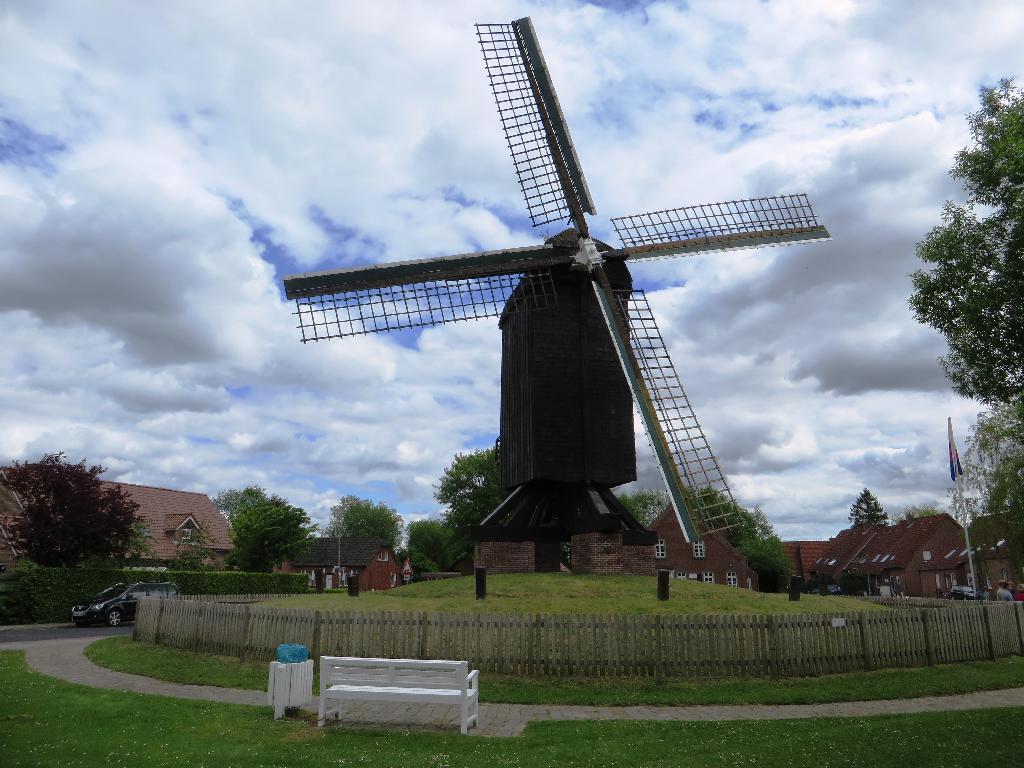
x=292, y=653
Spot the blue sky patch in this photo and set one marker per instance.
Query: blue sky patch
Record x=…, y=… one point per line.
x=23, y=147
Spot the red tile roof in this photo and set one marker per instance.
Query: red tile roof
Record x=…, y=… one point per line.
x=162, y=510
x=802, y=554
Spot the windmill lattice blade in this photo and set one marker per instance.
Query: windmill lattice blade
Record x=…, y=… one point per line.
x=507, y=51
x=394, y=307
x=712, y=506
x=719, y=226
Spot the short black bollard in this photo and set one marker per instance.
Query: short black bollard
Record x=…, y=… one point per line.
x=318, y=581
x=796, y=586
x=353, y=585
x=481, y=582
x=662, y=584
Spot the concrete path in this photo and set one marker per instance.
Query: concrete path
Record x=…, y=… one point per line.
x=64, y=659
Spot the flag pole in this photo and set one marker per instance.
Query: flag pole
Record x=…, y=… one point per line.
x=957, y=473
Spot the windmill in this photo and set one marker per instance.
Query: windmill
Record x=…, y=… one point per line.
x=580, y=345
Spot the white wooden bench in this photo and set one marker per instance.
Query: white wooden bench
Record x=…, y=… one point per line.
x=413, y=680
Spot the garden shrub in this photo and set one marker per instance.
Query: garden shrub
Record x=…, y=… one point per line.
x=47, y=594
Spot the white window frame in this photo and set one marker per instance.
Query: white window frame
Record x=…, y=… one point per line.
x=383, y=555
x=732, y=579
x=926, y=555
x=708, y=577
x=660, y=550
x=699, y=550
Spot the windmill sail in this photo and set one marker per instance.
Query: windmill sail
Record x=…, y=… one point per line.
x=710, y=502
x=534, y=124
x=751, y=223
x=422, y=292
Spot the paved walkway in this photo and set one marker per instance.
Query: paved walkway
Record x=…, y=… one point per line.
x=64, y=659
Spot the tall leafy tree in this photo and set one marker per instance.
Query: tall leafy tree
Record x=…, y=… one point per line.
x=755, y=538
x=353, y=516
x=432, y=546
x=645, y=504
x=230, y=501
x=973, y=289
x=267, y=533
x=867, y=510
x=914, y=511
x=470, y=489
x=68, y=513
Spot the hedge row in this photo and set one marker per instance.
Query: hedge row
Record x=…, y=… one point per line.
x=47, y=594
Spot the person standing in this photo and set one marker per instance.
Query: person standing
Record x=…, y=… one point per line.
x=1003, y=594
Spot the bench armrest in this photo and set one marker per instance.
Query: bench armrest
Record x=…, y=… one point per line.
x=474, y=679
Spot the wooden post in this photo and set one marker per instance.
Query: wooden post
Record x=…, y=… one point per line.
x=481, y=582
x=159, y=621
x=244, y=645
x=988, y=632
x=353, y=585
x=929, y=646
x=659, y=628
x=796, y=585
x=774, y=651
x=865, y=648
x=662, y=584
x=314, y=652
x=1019, y=616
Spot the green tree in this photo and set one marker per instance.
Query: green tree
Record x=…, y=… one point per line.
x=914, y=511
x=432, y=545
x=67, y=513
x=974, y=293
x=232, y=500
x=645, y=504
x=193, y=553
x=754, y=537
x=867, y=510
x=353, y=516
x=266, y=533
x=470, y=489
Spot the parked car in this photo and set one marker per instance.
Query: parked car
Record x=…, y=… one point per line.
x=116, y=604
x=964, y=592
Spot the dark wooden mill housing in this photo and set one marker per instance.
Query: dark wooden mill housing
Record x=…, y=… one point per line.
x=580, y=346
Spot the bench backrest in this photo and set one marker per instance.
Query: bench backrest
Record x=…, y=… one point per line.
x=401, y=673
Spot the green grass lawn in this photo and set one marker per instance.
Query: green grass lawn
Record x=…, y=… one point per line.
x=46, y=723
x=122, y=654
x=566, y=593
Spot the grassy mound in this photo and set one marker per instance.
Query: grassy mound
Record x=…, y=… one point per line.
x=566, y=593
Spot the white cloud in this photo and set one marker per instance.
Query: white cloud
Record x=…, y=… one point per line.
x=169, y=165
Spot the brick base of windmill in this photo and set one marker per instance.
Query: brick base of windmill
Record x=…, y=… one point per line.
x=592, y=553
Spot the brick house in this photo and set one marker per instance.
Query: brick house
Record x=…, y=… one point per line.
x=338, y=557
x=9, y=508
x=711, y=559
x=802, y=555
x=920, y=557
x=168, y=518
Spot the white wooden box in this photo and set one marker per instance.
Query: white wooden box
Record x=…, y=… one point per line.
x=291, y=685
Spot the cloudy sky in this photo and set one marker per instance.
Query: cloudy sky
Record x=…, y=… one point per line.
x=163, y=166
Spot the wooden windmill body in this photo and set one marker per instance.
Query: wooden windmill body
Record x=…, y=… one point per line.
x=580, y=346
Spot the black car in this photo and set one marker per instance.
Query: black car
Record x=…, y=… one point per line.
x=964, y=592
x=116, y=604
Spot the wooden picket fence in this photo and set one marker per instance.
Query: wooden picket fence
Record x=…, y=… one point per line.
x=599, y=646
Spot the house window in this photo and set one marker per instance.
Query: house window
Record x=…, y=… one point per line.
x=383, y=556
x=186, y=534
x=709, y=577
x=1002, y=574
x=659, y=549
x=731, y=579
x=927, y=554
x=698, y=549
x=938, y=581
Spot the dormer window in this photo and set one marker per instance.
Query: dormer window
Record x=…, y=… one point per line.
x=186, y=533
x=383, y=556
x=926, y=555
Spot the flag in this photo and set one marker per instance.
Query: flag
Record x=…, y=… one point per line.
x=954, y=457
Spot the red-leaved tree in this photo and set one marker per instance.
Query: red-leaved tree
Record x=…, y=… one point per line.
x=68, y=513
